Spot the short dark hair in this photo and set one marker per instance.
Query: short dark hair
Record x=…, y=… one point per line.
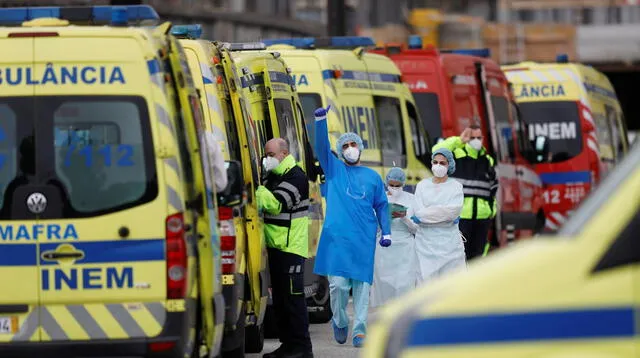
x=475, y=126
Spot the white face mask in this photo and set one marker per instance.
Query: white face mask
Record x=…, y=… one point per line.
x=270, y=163
x=351, y=154
x=394, y=190
x=439, y=170
x=476, y=144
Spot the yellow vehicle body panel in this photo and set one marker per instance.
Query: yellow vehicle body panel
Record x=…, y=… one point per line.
x=362, y=88
x=102, y=276
x=571, y=296
x=536, y=82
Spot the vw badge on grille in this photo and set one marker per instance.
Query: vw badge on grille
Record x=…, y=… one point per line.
x=36, y=203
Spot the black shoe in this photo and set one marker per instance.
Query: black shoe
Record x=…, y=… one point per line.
x=278, y=353
x=298, y=353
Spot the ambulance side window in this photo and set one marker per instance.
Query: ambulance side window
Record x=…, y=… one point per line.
x=625, y=250
x=233, y=141
x=389, y=115
x=421, y=143
x=287, y=126
x=266, y=129
x=503, y=126
x=252, y=140
x=8, y=149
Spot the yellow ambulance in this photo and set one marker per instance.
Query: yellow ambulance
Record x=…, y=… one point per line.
x=244, y=111
x=367, y=96
x=576, y=108
x=574, y=295
x=108, y=232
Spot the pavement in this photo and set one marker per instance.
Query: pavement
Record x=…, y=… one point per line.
x=324, y=346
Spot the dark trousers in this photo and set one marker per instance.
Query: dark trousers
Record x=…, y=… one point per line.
x=476, y=232
x=287, y=291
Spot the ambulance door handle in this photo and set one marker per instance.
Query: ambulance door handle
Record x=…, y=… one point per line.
x=14, y=309
x=62, y=255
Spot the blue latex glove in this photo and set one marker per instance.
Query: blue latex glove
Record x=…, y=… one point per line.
x=457, y=220
x=385, y=241
x=415, y=220
x=321, y=112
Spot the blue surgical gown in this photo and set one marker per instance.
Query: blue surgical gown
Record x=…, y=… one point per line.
x=356, y=207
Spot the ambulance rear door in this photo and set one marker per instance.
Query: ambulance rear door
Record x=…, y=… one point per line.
x=103, y=267
x=21, y=200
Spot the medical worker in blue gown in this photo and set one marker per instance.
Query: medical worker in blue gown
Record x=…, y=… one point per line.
x=438, y=203
x=395, y=268
x=356, y=207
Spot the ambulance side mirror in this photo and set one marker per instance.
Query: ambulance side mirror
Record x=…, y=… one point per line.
x=233, y=194
x=541, y=149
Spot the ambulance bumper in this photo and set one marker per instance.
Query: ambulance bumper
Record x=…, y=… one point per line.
x=130, y=348
x=168, y=344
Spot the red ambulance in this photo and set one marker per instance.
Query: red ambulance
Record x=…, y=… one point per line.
x=456, y=88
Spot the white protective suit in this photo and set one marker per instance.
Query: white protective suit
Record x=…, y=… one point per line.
x=439, y=244
x=395, y=268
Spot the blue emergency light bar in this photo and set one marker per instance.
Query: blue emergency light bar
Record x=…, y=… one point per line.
x=478, y=52
x=415, y=42
x=334, y=42
x=191, y=32
x=562, y=58
x=95, y=15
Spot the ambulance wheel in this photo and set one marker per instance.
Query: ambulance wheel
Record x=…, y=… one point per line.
x=270, y=326
x=254, y=338
x=239, y=336
x=321, y=303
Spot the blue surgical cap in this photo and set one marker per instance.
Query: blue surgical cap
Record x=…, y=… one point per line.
x=396, y=174
x=447, y=154
x=348, y=137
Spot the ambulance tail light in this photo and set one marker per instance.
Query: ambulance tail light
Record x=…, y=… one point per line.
x=176, y=256
x=227, y=240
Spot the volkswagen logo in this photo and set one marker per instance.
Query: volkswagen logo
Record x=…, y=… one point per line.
x=36, y=203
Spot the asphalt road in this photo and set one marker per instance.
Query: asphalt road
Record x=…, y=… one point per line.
x=324, y=346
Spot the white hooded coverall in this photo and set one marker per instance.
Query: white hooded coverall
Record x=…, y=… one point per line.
x=439, y=244
x=395, y=268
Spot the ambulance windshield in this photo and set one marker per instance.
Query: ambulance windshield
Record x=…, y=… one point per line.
x=429, y=109
x=559, y=122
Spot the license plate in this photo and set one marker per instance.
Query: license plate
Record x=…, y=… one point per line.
x=8, y=325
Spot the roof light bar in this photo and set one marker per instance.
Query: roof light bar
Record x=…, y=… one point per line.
x=192, y=32
x=92, y=15
x=244, y=46
x=334, y=42
x=478, y=52
x=415, y=42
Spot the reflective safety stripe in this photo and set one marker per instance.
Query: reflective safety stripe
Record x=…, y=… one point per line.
x=474, y=183
x=477, y=192
x=286, y=197
x=292, y=189
x=93, y=321
x=301, y=204
x=285, y=216
x=295, y=269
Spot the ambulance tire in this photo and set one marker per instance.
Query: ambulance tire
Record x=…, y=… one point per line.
x=238, y=352
x=321, y=300
x=540, y=223
x=254, y=338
